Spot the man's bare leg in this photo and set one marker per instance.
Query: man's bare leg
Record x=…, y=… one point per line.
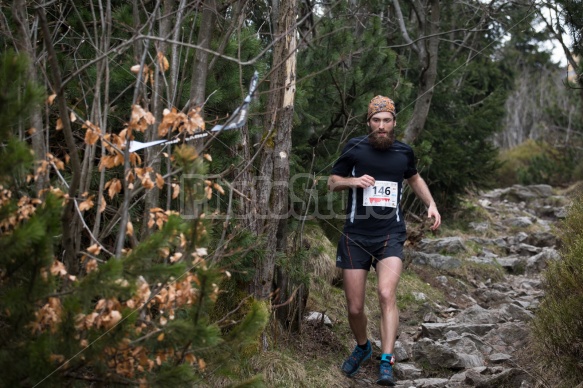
x=354, y=289
x=389, y=273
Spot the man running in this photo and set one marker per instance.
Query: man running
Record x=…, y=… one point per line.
x=373, y=169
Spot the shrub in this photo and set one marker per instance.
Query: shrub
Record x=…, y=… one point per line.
x=535, y=162
x=558, y=323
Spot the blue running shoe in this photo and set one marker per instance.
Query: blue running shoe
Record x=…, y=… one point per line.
x=386, y=377
x=352, y=364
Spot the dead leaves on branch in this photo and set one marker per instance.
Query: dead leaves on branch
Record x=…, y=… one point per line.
x=148, y=72
x=157, y=305
x=25, y=209
x=87, y=203
x=159, y=217
x=113, y=187
x=141, y=120
x=176, y=121
x=92, y=133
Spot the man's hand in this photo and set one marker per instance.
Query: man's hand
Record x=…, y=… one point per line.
x=363, y=182
x=337, y=182
x=433, y=213
x=422, y=191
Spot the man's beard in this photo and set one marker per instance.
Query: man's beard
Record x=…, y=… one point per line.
x=381, y=143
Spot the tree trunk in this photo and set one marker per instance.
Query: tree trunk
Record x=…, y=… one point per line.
x=200, y=68
x=272, y=189
x=427, y=50
x=23, y=44
x=200, y=73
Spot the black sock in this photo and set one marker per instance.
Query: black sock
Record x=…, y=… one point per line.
x=365, y=346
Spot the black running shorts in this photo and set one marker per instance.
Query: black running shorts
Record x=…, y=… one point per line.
x=360, y=252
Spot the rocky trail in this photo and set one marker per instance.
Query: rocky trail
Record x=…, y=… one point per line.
x=476, y=337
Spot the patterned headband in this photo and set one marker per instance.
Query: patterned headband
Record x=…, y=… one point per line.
x=380, y=104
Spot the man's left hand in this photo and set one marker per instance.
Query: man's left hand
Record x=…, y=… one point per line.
x=433, y=213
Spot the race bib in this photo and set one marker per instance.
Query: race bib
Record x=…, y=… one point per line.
x=383, y=193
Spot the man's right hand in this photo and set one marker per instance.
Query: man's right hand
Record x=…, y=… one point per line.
x=337, y=182
x=364, y=181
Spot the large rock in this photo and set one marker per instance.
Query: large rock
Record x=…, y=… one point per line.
x=476, y=314
x=450, y=245
x=519, y=222
x=512, y=264
x=539, y=262
x=438, y=330
x=435, y=260
x=508, y=337
x=542, y=239
x=519, y=193
x=496, y=377
x=439, y=355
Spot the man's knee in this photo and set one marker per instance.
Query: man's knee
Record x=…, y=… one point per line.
x=356, y=310
x=387, y=297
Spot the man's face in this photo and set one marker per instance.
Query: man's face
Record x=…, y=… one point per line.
x=381, y=130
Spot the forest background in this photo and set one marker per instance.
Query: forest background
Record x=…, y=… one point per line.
x=165, y=266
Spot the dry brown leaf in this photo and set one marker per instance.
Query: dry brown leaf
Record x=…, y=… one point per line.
x=175, y=257
x=208, y=157
x=51, y=99
x=91, y=137
x=135, y=159
x=190, y=358
x=147, y=182
x=175, y=190
x=171, y=118
x=73, y=117
x=130, y=229
x=159, y=181
x=60, y=165
x=140, y=118
x=218, y=188
x=59, y=124
x=94, y=249
x=111, y=319
x=118, y=159
x=196, y=122
x=107, y=161
x=58, y=268
x=102, y=204
x=91, y=266
x=122, y=136
x=56, y=358
x=163, y=62
x=87, y=204
x=113, y=187
x=164, y=251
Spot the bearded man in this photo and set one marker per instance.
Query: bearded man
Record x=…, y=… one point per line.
x=373, y=168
